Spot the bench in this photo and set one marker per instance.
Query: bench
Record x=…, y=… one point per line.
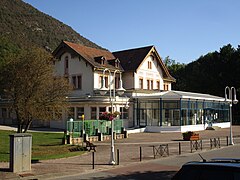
x=90, y=146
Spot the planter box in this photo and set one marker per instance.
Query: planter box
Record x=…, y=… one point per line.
x=194, y=137
x=190, y=136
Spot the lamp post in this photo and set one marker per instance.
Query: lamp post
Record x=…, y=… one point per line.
x=120, y=91
x=230, y=94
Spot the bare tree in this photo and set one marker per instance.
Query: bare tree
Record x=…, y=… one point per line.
x=27, y=80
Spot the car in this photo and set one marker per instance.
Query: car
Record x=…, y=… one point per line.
x=215, y=169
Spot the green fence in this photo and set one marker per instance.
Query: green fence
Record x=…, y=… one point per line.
x=92, y=127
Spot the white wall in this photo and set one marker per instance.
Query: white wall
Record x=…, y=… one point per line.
x=155, y=74
x=199, y=127
x=77, y=67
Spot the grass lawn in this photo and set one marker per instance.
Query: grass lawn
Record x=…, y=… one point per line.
x=44, y=146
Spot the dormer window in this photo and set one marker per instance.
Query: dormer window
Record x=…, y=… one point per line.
x=66, y=65
x=117, y=62
x=100, y=60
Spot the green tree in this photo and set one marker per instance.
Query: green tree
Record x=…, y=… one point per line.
x=27, y=81
x=176, y=70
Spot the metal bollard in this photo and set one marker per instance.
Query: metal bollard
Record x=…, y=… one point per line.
x=118, y=159
x=179, y=148
x=227, y=140
x=93, y=160
x=140, y=153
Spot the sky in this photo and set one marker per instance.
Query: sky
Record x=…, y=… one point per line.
x=181, y=29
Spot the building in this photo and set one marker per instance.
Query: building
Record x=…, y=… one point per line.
x=85, y=68
x=148, y=101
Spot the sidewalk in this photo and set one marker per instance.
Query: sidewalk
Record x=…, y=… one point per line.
x=129, y=156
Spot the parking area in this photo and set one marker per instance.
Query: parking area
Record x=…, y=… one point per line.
x=138, y=147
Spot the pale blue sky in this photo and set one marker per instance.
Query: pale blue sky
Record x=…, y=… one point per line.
x=181, y=29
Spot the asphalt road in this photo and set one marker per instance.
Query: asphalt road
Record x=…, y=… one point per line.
x=162, y=168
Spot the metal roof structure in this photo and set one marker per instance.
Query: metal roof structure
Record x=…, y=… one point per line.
x=172, y=95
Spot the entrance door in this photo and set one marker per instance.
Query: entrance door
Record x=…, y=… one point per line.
x=175, y=117
x=143, y=117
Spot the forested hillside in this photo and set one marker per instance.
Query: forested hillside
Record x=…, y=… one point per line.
x=25, y=25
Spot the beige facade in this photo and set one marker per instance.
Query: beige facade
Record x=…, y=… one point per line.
x=84, y=68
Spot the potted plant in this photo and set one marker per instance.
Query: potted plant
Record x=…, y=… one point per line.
x=187, y=135
x=109, y=116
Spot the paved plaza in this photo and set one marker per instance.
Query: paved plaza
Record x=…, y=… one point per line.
x=80, y=167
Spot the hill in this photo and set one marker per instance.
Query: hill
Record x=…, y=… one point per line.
x=24, y=25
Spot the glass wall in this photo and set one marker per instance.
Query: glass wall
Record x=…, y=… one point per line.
x=160, y=112
x=171, y=113
x=148, y=113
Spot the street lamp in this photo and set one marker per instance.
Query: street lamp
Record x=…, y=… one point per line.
x=231, y=93
x=120, y=91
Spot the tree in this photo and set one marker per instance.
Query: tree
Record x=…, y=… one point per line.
x=28, y=83
x=176, y=70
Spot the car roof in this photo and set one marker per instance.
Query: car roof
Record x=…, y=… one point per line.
x=225, y=163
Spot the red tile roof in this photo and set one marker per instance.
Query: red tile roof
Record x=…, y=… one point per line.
x=88, y=53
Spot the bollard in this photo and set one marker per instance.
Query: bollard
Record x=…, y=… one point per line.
x=201, y=144
x=140, y=153
x=179, y=148
x=118, y=159
x=227, y=140
x=210, y=143
x=93, y=160
x=191, y=146
x=100, y=136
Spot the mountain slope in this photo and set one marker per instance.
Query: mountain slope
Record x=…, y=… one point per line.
x=23, y=24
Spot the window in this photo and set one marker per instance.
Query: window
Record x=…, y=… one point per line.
x=165, y=87
x=158, y=85
x=101, y=81
x=101, y=110
x=149, y=65
x=148, y=84
x=77, y=81
x=66, y=65
x=93, y=113
x=117, y=63
x=71, y=112
x=80, y=112
x=117, y=79
x=124, y=113
x=141, y=83
x=110, y=109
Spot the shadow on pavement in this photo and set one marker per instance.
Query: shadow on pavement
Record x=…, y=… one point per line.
x=163, y=175
x=4, y=169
